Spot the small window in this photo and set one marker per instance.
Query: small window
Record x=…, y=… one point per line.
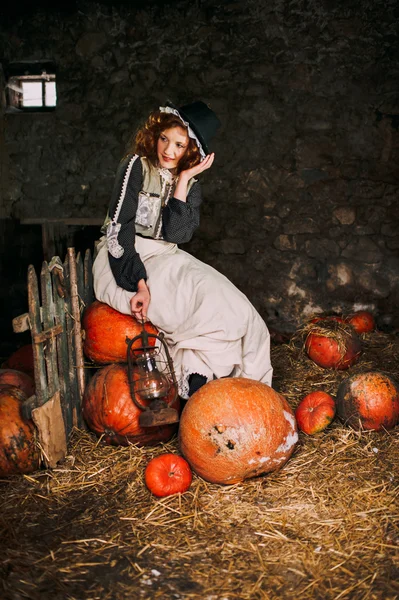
x=31, y=87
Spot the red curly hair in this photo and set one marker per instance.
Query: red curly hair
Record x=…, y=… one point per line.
x=145, y=142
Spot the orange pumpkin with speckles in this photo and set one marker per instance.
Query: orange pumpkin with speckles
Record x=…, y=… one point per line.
x=18, y=450
x=110, y=412
x=105, y=333
x=368, y=401
x=333, y=344
x=232, y=429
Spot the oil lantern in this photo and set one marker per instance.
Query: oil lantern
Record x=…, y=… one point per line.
x=151, y=376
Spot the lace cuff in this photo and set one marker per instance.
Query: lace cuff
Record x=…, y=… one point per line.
x=114, y=247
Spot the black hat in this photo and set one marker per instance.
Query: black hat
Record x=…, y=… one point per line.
x=201, y=119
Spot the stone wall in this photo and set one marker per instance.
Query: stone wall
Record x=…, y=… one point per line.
x=301, y=207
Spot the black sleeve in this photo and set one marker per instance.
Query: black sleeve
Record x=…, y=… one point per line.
x=128, y=269
x=181, y=219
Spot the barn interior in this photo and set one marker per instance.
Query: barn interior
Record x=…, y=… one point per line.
x=300, y=212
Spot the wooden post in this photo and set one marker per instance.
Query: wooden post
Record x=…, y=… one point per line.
x=62, y=351
x=69, y=322
x=50, y=346
x=76, y=316
x=36, y=328
x=80, y=306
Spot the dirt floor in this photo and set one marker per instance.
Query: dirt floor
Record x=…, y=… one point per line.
x=324, y=527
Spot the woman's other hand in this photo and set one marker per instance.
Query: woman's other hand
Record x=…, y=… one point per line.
x=181, y=188
x=140, y=301
x=202, y=166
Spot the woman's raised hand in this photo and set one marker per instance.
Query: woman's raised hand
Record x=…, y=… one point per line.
x=140, y=301
x=202, y=166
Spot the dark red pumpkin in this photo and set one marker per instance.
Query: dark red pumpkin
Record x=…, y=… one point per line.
x=21, y=360
x=315, y=412
x=168, y=474
x=333, y=345
x=105, y=333
x=22, y=381
x=369, y=401
x=109, y=410
x=362, y=321
x=235, y=428
x=18, y=450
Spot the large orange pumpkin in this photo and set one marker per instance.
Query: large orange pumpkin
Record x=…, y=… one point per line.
x=368, y=401
x=109, y=410
x=333, y=345
x=21, y=380
x=235, y=428
x=21, y=360
x=105, y=333
x=18, y=449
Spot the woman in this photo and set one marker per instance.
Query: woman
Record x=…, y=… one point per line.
x=211, y=328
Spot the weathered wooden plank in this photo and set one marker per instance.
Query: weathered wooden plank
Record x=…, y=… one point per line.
x=21, y=323
x=70, y=322
x=80, y=282
x=62, y=355
x=51, y=431
x=89, y=299
x=47, y=334
x=82, y=306
x=75, y=305
x=36, y=327
x=71, y=375
x=88, y=278
x=50, y=345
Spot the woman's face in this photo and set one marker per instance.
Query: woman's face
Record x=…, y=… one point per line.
x=171, y=146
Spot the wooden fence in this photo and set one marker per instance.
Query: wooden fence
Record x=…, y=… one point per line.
x=56, y=302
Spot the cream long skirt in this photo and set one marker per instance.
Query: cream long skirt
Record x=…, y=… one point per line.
x=210, y=327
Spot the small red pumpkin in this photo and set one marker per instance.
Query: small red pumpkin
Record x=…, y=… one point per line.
x=22, y=381
x=21, y=360
x=315, y=412
x=333, y=345
x=235, y=428
x=18, y=450
x=362, y=321
x=110, y=412
x=168, y=474
x=369, y=401
x=105, y=333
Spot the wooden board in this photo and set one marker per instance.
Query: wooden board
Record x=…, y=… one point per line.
x=51, y=430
